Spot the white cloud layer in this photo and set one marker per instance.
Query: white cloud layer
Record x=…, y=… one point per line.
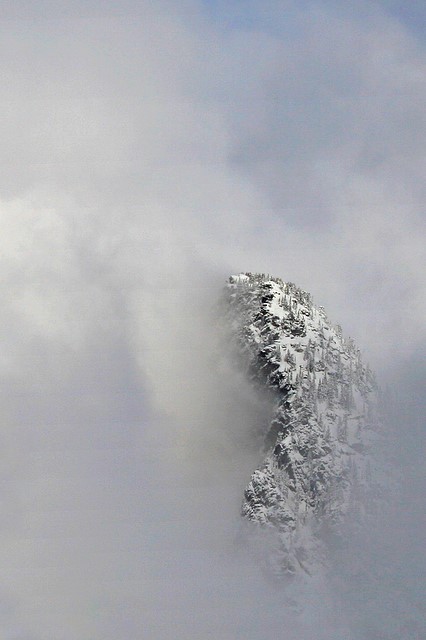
x=148, y=152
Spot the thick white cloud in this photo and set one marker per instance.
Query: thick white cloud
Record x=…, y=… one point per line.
x=146, y=153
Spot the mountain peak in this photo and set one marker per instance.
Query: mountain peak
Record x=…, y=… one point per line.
x=316, y=470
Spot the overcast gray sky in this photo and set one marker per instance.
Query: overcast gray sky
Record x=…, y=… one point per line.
x=149, y=150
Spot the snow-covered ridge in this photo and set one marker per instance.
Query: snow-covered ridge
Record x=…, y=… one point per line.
x=316, y=467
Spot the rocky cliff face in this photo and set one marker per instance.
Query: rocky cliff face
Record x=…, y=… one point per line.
x=316, y=470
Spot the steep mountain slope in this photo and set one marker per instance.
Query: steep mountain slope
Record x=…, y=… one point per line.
x=316, y=470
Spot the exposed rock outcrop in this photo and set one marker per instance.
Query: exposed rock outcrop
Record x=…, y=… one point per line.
x=316, y=470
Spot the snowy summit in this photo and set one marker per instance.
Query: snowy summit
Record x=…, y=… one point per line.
x=316, y=470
